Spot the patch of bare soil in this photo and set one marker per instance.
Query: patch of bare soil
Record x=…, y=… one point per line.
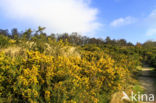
x=147, y=79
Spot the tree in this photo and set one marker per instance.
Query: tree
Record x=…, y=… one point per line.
x=27, y=34
x=149, y=44
x=108, y=40
x=15, y=34
x=4, y=32
x=138, y=45
x=122, y=42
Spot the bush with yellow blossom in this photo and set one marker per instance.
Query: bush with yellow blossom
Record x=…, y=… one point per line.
x=42, y=78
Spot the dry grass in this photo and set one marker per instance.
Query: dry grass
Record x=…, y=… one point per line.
x=69, y=51
x=116, y=98
x=13, y=51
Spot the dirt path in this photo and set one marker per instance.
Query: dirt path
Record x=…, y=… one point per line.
x=147, y=79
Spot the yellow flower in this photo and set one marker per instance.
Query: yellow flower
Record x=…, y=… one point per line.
x=47, y=94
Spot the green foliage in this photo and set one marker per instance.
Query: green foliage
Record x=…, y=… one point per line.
x=67, y=68
x=4, y=41
x=40, y=78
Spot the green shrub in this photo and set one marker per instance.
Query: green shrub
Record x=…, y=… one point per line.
x=4, y=41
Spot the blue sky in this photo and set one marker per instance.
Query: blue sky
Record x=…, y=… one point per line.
x=133, y=20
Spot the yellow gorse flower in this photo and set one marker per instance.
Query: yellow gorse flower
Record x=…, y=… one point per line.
x=62, y=79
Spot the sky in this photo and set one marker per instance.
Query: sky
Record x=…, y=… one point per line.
x=133, y=20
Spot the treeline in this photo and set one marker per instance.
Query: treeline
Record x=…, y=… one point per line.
x=73, y=38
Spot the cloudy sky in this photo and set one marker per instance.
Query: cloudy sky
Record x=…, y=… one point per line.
x=133, y=20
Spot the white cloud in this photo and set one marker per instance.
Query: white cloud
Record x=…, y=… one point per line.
x=151, y=19
x=151, y=23
x=56, y=15
x=151, y=32
x=153, y=14
x=122, y=21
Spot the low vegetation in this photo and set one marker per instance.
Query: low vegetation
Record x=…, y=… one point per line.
x=66, y=68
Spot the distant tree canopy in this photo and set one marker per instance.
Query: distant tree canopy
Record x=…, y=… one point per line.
x=149, y=43
x=73, y=38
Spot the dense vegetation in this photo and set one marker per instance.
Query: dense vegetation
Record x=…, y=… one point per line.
x=35, y=67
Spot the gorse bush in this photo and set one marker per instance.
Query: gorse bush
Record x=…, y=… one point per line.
x=37, y=68
x=4, y=41
x=40, y=78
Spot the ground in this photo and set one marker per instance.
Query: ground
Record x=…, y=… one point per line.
x=147, y=79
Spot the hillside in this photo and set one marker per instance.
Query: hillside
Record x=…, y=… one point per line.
x=36, y=67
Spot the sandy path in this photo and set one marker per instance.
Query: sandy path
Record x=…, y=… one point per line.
x=147, y=79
